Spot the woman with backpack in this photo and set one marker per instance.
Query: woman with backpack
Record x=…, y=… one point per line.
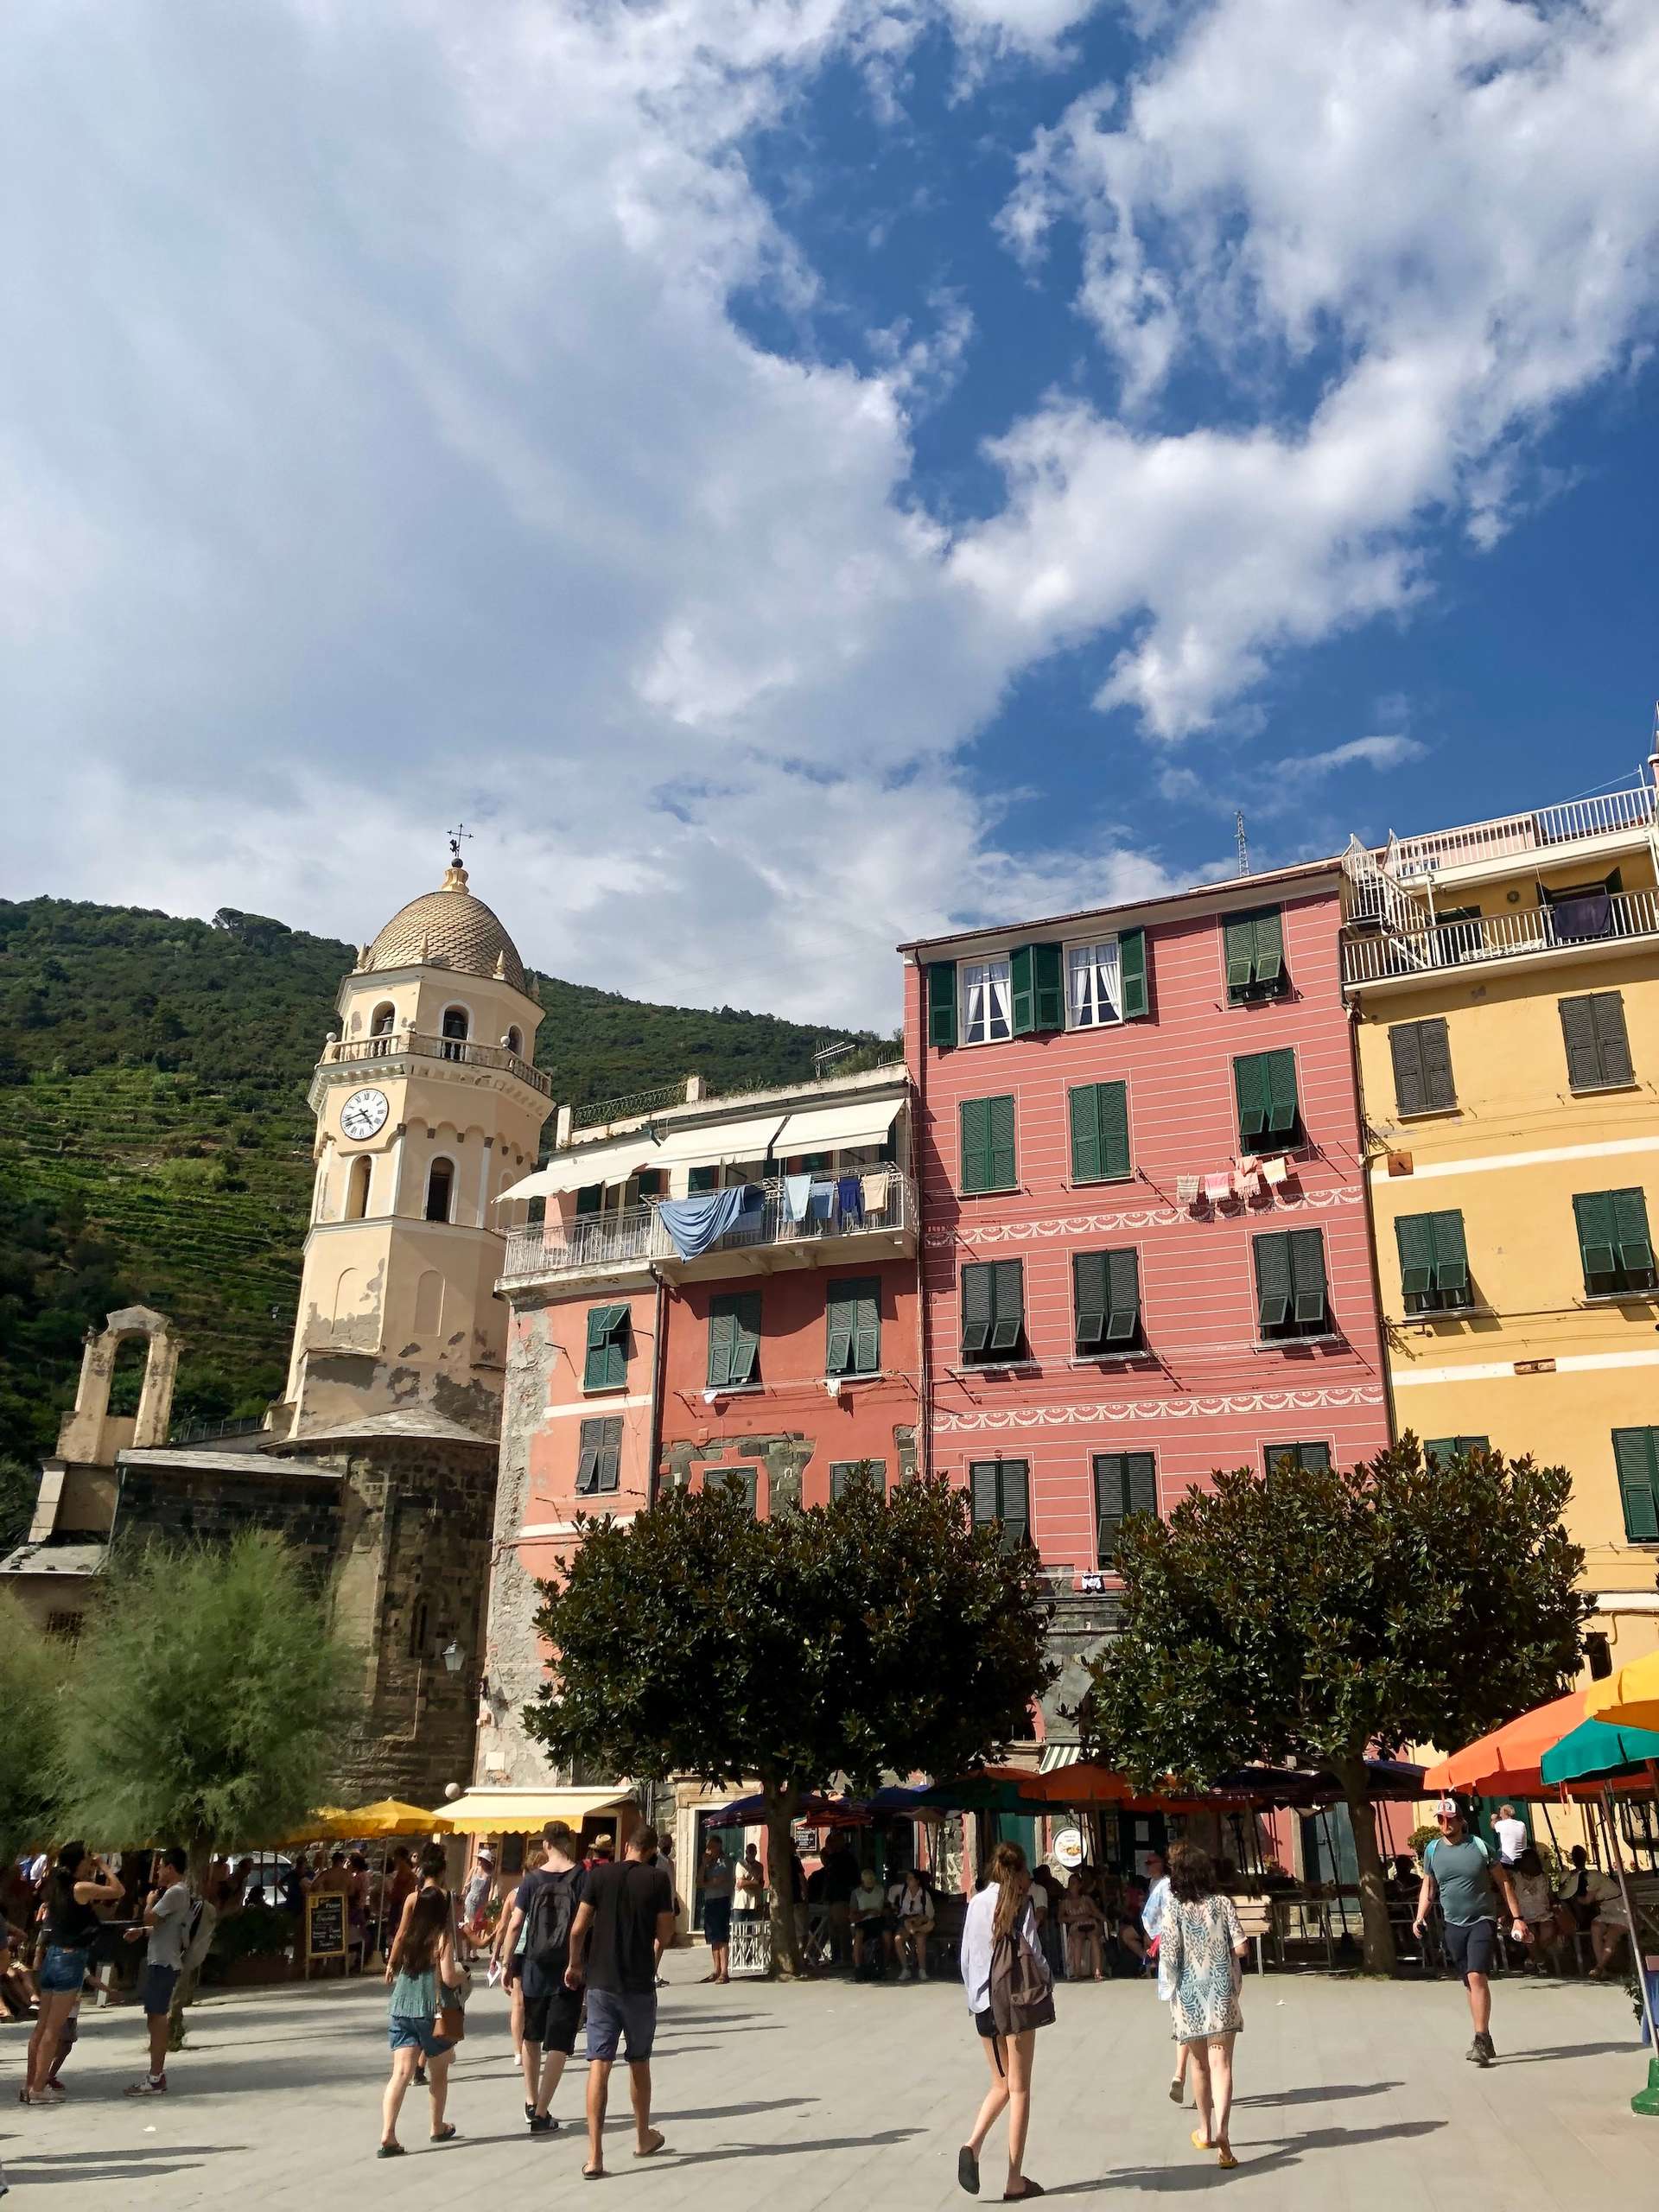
x=424, y=1980
x=1200, y=1946
x=1010, y=1995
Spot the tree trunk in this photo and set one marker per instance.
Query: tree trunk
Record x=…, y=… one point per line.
x=184, y=1989
x=1373, y=1899
x=782, y=1801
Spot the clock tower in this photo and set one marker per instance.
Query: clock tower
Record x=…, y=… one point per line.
x=428, y=1106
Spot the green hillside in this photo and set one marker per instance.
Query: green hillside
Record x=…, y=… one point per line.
x=155, y=1143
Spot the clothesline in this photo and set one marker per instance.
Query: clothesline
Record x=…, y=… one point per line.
x=1243, y=1180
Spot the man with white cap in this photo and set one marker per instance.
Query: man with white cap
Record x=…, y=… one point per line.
x=1459, y=1866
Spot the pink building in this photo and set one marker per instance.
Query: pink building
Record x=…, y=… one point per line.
x=1145, y=1253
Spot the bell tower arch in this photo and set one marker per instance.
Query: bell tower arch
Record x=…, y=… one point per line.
x=419, y=1110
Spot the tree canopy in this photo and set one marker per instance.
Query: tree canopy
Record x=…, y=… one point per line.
x=880, y=1633
x=1316, y=1615
x=208, y=1695
x=31, y=1698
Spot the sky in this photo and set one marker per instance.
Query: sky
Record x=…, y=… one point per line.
x=796, y=475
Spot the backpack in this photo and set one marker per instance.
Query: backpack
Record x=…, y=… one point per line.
x=1021, y=1995
x=547, y=1933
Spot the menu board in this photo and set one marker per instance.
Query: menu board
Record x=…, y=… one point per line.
x=325, y=1925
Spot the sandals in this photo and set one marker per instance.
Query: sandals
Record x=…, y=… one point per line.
x=390, y=2151
x=1224, y=2156
x=655, y=2141
x=968, y=2170
x=1201, y=2141
x=444, y=2133
x=1027, y=2187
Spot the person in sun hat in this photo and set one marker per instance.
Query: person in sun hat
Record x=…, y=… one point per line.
x=1461, y=1872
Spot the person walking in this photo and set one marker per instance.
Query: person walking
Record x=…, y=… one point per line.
x=1459, y=1869
x=1009, y=1995
x=78, y=1882
x=545, y=1907
x=422, y=1972
x=717, y=1883
x=167, y=1916
x=1152, y=1926
x=1511, y=1833
x=624, y=1923
x=1200, y=1948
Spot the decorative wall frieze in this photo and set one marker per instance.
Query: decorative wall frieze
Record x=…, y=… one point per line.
x=1107, y=1224
x=1328, y=1398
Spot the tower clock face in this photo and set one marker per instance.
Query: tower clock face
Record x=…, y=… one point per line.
x=364, y=1115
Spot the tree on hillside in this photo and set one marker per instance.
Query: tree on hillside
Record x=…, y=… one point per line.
x=207, y=1702
x=876, y=1633
x=31, y=1684
x=1319, y=1616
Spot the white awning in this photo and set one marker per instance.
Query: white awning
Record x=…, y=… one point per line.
x=850, y=1120
x=588, y=1164
x=716, y=1144
x=1055, y=1755
x=484, y=1811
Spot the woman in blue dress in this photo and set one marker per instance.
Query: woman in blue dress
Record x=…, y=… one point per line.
x=1200, y=1947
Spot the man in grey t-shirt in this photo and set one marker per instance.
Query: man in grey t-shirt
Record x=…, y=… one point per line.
x=1459, y=1868
x=167, y=1916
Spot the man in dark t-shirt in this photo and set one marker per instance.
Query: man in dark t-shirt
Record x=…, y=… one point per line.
x=551, y=2010
x=623, y=1925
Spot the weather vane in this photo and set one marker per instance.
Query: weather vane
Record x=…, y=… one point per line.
x=456, y=836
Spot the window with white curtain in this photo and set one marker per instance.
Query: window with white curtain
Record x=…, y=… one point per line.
x=1094, y=994
x=986, y=1018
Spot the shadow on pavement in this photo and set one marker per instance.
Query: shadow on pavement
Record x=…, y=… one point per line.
x=1198, y=2168
x=1316, y=2096
x=40, y=2169
x=671, y=2158
x=1569, y=2050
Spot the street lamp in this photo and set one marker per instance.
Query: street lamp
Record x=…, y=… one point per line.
x=451, y=1657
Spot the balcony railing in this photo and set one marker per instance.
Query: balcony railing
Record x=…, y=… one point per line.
x=396, y=1044
x=1614, y=813
x=1598, y=918
x=635, y=1233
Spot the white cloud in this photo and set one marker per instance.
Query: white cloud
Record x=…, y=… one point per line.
x=1439, y=218
x=1379, y=752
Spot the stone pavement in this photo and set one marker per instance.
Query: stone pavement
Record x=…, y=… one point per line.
x=1353, y=2097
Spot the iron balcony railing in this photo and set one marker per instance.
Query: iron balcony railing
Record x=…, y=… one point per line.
x=602, y=1110
x=1613, y=813
x=1597, y=918
x=396, y=1044
x=635, y=1235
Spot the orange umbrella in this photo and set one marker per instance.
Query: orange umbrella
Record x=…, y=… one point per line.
x=1082, y=1783
x=1507, y=1760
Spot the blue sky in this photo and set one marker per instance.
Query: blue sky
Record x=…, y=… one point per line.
x=795, y=475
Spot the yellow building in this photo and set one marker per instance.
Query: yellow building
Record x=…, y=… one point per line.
x=1504, y=978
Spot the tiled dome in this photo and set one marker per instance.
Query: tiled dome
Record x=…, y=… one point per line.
x=448, y=928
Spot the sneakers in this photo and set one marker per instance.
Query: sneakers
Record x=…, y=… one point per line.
x=51, y=2094
x=153, y=2085
x=921, y=1973
x=1480, y=2052
x=543, y=2123
x=906, y=1975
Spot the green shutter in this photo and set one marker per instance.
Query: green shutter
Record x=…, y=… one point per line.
x=1014, y=1502
x=1307, y=1273
x=606, y=1367
x=722, y=1338
x=1579, y=1035
x=1049, y=987
x=852, y=1474
x=1241, y=952
x=1440, y=1092
x=1085, y=1133
x=746, y=1334
x=975, y=1171
x=703, y=1179
x=941, y=976
x=590, y=1199
x=1269, y=947
x=867, y=1341
x=587, y=1458
x=1090, y=1292
x=978, y=1307
x=1638, y=1482
x=1451, y=1257
x=745, y=1480
x=1112, y=1106
x=1273, y=1280
x=1009, y=1295
x=1631, y=1232
x=1000, y=1136
x=1613, y=1041
x=1414, y=1235
x=1250, y=1087
x=1281, y=1093
x=1125, y=1483
x=1441, y=1451
x=1135, y=974
x=1598, y=1233
x=1410, y=1084
x=1123, y=1298
x=854, y=1331
x=983, y=1490
x=1022, y=993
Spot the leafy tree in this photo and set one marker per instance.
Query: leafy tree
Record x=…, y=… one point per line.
x=1319, y=1616
x=31, y=1679
x=876, y=1633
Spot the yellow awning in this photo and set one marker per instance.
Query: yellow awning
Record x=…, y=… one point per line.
x=354, y=1824
x=1628, y=1697
x=516, y=1812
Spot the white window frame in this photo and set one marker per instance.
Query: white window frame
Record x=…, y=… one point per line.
x=1093, y=946
x=989, y=983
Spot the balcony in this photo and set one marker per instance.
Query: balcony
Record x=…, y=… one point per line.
x=1597, y=921
x=610, y=1244
x=411, y=1043
x=1547, y=835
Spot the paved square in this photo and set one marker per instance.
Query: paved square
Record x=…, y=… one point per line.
x=1352, y=2095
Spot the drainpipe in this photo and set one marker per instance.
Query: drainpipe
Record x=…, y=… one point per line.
x=659, y=1356
x=925, y=1441
x=1385, y=1365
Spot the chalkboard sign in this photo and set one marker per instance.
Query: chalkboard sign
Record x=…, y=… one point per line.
x=325, y=1925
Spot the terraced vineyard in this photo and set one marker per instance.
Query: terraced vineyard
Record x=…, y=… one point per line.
x=155, y=1142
